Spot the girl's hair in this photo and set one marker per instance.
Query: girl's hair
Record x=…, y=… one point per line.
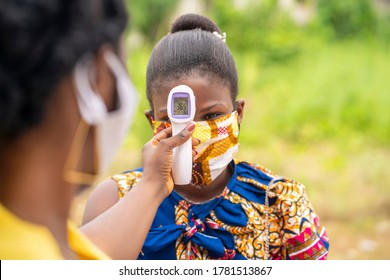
x=191, y=47
x=41, y=41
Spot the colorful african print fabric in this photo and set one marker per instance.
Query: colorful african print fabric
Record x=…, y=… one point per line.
x=243, y=222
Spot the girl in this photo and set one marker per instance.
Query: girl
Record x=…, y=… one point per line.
x=232, y=209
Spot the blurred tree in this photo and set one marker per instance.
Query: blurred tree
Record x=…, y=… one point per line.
x=348, y=18
x=258, y=26
x=148, y=16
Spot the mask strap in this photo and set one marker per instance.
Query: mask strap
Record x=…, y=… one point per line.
x=70, y=174
x=92, y=110
x=119, y=71
x=91, y=105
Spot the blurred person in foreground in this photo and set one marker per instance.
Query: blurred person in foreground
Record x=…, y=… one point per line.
x=66, y=102
x=232, y=209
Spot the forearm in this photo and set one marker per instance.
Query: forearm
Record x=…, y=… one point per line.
x=121, y=230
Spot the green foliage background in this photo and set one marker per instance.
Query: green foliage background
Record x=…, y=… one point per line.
x=317, y=105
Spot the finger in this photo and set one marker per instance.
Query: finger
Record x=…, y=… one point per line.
x=181, y=137
x=195, y=142
x=194, y=153
x=163, y=134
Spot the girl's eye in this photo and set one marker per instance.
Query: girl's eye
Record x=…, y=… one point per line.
x=211, y=116
x=166, y=119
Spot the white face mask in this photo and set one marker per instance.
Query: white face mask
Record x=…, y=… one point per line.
x=111, y=127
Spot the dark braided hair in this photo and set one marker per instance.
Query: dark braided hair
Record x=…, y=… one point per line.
x=191, y=47
x=40, y=43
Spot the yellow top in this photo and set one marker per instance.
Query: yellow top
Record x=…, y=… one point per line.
x=21, y=240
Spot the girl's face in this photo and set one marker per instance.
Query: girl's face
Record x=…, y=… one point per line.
x=214, y=104
x=213, y=99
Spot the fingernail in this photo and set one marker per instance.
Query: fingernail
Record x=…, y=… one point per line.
x=191, y=127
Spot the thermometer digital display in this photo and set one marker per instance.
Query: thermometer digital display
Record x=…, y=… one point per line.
x=181, y=111
x=180, y=105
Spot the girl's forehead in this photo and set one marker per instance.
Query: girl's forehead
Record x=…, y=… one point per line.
x=205, y=89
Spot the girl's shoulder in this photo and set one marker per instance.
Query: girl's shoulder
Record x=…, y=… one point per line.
x=261, y=177
x=127, y=180
x=243, y=165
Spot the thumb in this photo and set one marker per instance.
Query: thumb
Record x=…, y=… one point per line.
x=181, y=137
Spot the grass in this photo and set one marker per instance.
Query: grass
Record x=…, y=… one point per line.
x=323, y=119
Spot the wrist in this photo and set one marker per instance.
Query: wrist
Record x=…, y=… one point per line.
x=154, y=186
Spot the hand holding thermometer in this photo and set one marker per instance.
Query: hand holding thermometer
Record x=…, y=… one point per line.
x=181, y=111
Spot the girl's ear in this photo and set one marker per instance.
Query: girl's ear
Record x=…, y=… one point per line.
x=240, y=109
x=150, y=116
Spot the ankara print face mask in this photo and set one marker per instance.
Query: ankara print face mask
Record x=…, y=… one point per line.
x=217, y=148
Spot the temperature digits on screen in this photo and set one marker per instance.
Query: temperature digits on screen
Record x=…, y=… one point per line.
x=180, y=106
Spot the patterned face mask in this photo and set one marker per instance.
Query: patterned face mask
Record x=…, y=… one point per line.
x=218, y=145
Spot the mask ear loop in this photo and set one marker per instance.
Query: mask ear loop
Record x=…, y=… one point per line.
x=92, y=110
x=91, y=105
x=70, y=174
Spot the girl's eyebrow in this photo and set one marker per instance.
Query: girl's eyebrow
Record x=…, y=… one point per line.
x=163, y=111
x=205, y=109
x=208, y=108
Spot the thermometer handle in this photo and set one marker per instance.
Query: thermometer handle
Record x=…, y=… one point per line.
x=182, y=158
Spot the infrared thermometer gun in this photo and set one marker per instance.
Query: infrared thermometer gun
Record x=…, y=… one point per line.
x=181, y=111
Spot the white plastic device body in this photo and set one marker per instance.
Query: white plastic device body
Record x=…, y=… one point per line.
x=181, y=111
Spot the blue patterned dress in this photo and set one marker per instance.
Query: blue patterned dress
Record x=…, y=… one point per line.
x=258, y=216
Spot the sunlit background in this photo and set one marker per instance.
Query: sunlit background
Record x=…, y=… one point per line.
x=315, y=75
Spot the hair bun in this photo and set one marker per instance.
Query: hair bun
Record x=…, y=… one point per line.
x=194, y=21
